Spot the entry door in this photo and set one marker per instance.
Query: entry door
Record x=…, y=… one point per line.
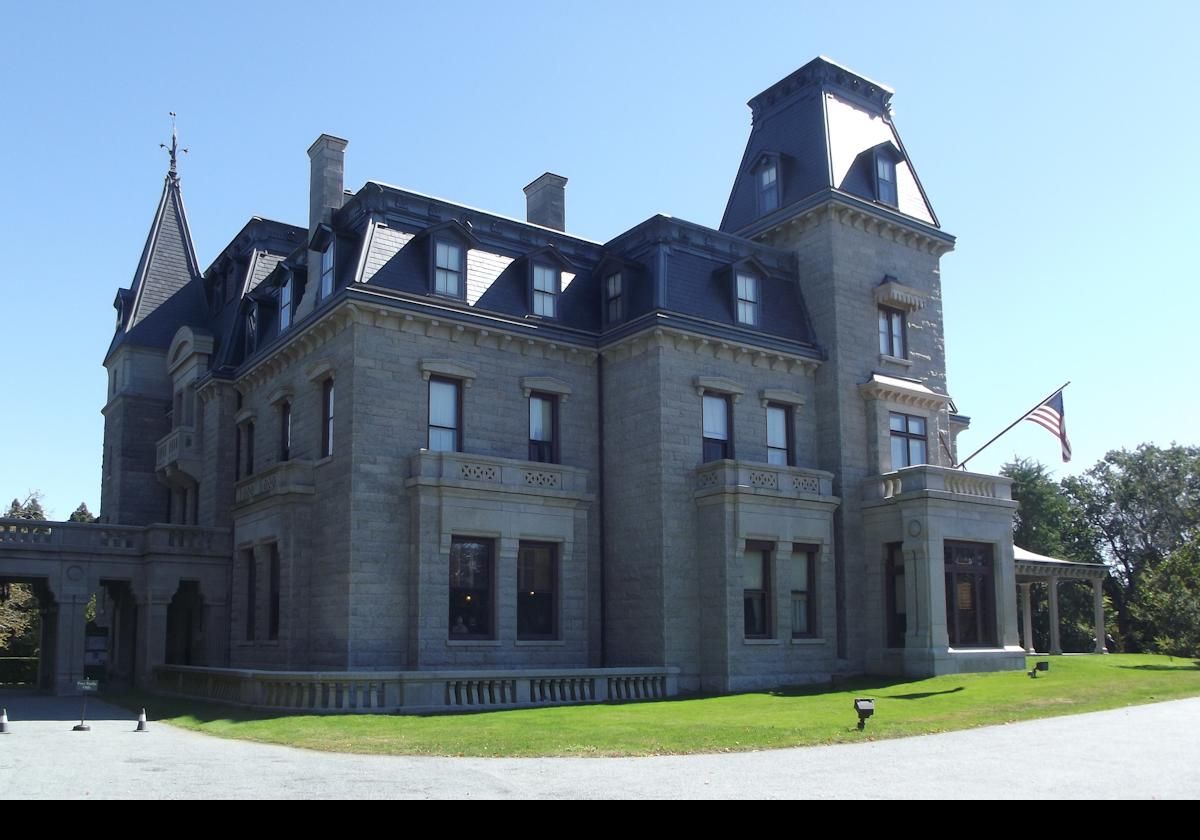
x=970, y=595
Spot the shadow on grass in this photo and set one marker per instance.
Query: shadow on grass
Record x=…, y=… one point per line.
x=1182, y=666
x=923, y=694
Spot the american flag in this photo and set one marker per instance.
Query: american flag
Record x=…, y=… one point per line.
x=1050, y=416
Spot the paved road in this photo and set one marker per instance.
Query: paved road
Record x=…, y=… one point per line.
x=1145, y=752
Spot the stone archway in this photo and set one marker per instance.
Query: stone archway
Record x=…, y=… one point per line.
x=185, y=644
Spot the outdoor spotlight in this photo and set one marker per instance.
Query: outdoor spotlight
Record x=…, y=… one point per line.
x=1039, y=666
x=865, y=707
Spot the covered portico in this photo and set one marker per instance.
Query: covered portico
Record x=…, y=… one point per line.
x=1034, y=568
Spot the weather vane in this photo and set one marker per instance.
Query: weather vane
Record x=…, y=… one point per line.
x=173, y=149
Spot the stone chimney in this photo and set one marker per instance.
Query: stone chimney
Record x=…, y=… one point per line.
x=546, y=202
x=327, y=157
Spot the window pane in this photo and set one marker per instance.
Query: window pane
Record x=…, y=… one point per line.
x=885, y=346
x=541, y=419
x=442, y=440
x=777, y=427
x=747, y=313
x=778, y=457
x=443, y=404
x=899, y=453
x=896, y=422
x=752, y=569
x=916, y=452
x=916, y=425
x=897, y=319
x=536, y=591
x=747, y=287
x=800, y=624
x=716, y=419
x=545, y=279
x=543, y=304
x=470, y=588
x=613, y=285
x=800, y=561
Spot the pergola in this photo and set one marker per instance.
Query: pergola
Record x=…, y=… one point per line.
x=1032, y=568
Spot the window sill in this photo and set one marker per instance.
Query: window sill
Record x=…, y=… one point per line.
x=895, y=360
x=323, y=461
x=806, y=640
x=257, y=644
x=540, y=642
x=490, y=643
x=761, y=642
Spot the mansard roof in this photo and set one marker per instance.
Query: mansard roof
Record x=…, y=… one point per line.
x=819, y=121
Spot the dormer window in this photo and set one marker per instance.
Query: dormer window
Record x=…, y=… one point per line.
x=285, y=305
x=448, y=269
x=251, y=330
x=614, y=298
x=546, y=280
x=327, y=271
x=885, y=179
x=768, y=188
x=747, y=299
x=120, y=314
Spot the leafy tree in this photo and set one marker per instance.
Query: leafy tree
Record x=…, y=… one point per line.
x=1135, y=510
x=1169, y=602
x=1047, y=523
x=31, y=508
x=20, y=622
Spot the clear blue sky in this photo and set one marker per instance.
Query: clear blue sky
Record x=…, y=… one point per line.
x=1057, y=141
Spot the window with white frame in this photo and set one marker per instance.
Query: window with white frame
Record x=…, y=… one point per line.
x=768, y=188
x=892, y=333
x=327, y=271
x=747, y=299
x=717, y=443
x=445, y=428
x=448, y=269
x=545, y=290
x=779, y=435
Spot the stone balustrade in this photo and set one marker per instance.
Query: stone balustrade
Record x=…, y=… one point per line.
x=280, y=479
x=940, y=480
x=99, y=538
x=486, y=472
x=771, y=479
x=414, y=691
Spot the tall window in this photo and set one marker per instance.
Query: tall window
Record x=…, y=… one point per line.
x=803, y=575
x=897, y=597
x=248, y=431
x=537, y=602
x=543, y=411
x=545, y=290
x=885, y=180
x=768, y=188
x=445, y=431
x=273, y=617
x=448, y=269
x=756, y=590
x=470, y=588
x=251, y=592
x=970, y=598
x=285, y=305
x=747, y=299
x=327, y=418
x=327, y=271
x=285, y=430
x=908, y=440
x=779, y=435
x=892, y=333
x=716, y=428
x=613, y=298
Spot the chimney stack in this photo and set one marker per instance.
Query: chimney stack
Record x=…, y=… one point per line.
x=546, y=203
x=327, y=158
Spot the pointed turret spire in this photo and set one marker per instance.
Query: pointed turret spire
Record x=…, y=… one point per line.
x=173, y=150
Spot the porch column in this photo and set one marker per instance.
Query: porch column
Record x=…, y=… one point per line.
x=1027, y=617
x=1098, y=600
x=152, y=635
x=1055, y=642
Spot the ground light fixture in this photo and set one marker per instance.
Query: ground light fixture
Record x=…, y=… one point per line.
x=865, y=706
x=1039, y=666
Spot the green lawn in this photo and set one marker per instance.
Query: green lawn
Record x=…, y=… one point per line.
x=713, y=724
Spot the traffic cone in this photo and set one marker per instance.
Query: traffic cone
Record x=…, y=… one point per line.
x=141, y=727
x=3, y=721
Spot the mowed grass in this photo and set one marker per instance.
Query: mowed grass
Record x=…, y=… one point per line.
x=762, y=720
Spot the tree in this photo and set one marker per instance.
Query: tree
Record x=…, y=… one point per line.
x=1047, y=523
x=82, y=514
x=1135, y=510
x=20, y=621
x=31, y=508
x=1169, y=602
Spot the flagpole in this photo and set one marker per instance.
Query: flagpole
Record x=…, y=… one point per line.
x=1049, y=397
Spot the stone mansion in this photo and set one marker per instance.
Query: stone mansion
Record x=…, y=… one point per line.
x=420, y=442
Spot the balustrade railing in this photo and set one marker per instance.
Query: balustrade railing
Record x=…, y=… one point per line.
x=767, y=478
